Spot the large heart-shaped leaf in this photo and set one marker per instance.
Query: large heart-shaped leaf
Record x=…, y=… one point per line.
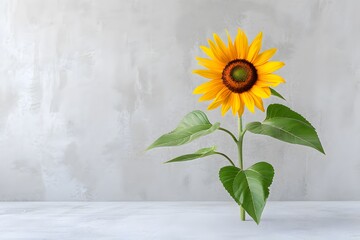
x=198, y=154
x=227, y=175
x=251, y=188
x=286, y=125
x=192, y=126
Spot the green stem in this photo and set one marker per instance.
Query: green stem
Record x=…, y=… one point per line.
x=240, y=142
x=241, y=165
x=224, y=155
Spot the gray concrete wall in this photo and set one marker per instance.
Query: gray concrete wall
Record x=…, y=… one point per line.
x=86, y=85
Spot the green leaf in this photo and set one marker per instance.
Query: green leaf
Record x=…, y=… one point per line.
x=251, y=188
x=276, y=93
x=286, y=125
x=192, y=126
x=198, y=154
x=227, y=175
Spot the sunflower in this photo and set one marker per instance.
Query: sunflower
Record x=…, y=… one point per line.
x=239, y=74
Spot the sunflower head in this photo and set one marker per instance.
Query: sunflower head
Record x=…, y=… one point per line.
x=239, y=75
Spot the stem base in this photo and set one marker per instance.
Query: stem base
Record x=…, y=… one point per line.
x=242, y=214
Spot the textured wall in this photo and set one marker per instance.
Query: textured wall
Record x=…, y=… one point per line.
x=85, y=86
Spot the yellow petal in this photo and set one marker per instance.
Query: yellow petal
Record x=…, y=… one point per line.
x=217, y=52
x=261, y=92
x=226, y=105
x=269, y=67
x=258, y=102
x=211, y=64
x=270, y=79
x=205, y=87
x=211, y=94
x=260, y=83
x=214, y=105
x=248, y=100
x=264, y=56
x=231, y=47
x=235, y=103
x=222, y=95
x=208, y=52
x=222, y=47
x=254, y=48
x=208, y=73
x=241, y=44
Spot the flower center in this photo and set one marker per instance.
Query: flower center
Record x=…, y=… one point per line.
x=239, y=75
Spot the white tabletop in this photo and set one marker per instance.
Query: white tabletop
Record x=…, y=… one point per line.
x=177, y=220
